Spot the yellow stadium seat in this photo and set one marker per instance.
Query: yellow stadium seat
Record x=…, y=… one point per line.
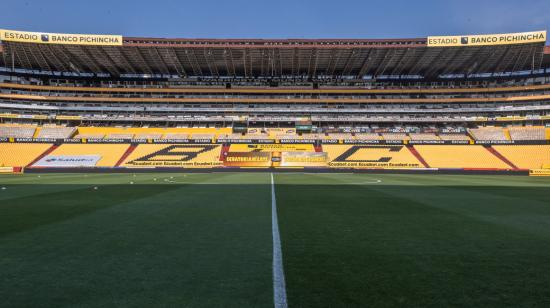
x=460, y=156
x=371, y=156
x=526, y=156
x=175, y=156
x=110, y=153
x=20, y=154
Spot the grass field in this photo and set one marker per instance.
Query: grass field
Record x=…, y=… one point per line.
x=205, y=240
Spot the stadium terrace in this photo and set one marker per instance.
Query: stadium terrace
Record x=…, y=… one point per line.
x=160, y=172
x=87, y=102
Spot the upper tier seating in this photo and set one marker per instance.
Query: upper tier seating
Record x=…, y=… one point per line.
x=119, y=136
x=423, y=136
x=314, y=136
x=286, y=136
x=227, y=136
x=395, y=136
x=257, y=136
x=56, y=132
x=340, y=136
x=17, y=131
x=453, y=137
x=527, y=133
x=367, y=136
x=148, y=136
x=89, y=136
x=175, y=136
x=202, y=136
x=488, y=133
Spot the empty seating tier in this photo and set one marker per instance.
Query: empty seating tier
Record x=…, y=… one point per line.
x=175, y=156
x=395, y=136
x=423, y=136
x=526, y=156
x=527, y=133
x=453, y=137
x=17, y=131
x=488, y=133
x=460, y=156
x=370, y=156
x=56, y=132
x=20, y=154
x=110, y=153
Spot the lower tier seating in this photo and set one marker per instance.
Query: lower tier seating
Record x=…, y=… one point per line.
x=175, y=155
x=371, y=156
x=20, y=154
x=110, y=153
x=526, y=156
x=460, y=156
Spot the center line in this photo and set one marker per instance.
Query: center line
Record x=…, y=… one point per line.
x=279, y=288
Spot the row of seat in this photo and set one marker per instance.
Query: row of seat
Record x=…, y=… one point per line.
x=436, y=156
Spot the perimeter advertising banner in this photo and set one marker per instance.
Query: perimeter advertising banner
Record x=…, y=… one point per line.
x=539, y=172
x=487, y=39
x=303, y=159
x=6, y=169
x=68, y=161
x=248, y=159
x=60, y=38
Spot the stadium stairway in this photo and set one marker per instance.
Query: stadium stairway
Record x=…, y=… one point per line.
x=224, y=151
x=46, y=153
x=418, y=156
x=501, y=157
x=129, y=151
x=507, y=134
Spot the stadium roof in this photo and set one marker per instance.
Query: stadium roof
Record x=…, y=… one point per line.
x=273, y=58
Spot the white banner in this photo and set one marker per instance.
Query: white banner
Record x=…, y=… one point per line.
x=68, y=161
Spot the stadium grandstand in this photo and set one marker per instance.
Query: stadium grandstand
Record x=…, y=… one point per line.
x=177, y=172
x=475, y=102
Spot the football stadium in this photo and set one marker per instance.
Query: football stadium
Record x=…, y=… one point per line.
x=140, y=171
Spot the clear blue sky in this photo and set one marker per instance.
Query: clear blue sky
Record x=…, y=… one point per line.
x=277, y=18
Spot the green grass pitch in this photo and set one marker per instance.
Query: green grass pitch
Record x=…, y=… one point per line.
x=204, y=240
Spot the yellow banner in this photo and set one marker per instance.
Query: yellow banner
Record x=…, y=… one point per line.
x=64, y=117
x=278, y=147
x=488, y=39
x=60, y=38
x=8, y=115
x=303, y=159
x=539, y=172
x=248, y=159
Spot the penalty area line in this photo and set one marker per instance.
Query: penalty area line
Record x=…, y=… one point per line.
x=279, y=287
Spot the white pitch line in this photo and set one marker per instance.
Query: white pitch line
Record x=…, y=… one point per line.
x=279, y=288
x=366, y=182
